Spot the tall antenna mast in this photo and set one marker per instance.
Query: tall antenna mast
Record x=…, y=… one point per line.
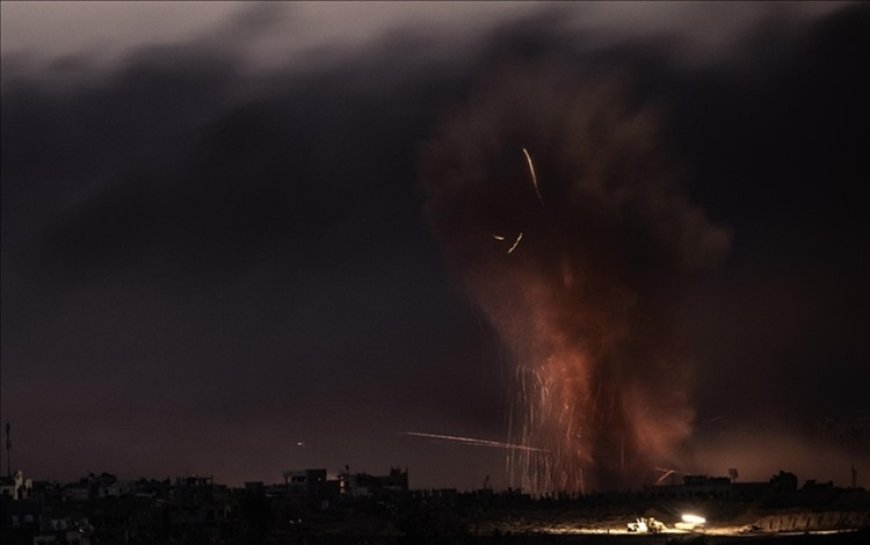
x=8, y=449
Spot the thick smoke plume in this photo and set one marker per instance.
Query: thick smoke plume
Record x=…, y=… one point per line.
x=587, y=301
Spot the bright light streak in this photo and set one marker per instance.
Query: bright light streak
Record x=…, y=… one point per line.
x=534, y=177
x=668, y=473
x=516, y=243
x=693, y=519
x=473, y=441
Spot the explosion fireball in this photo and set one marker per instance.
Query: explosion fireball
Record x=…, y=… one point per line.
x=588, y=303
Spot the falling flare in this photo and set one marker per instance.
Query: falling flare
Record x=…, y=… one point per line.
x=516, y=243
x=534, y=177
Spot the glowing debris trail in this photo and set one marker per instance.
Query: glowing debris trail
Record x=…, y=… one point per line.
x=664, y=476
x=534, y=177
x=473, y=441
x=498, y=237
x=516, y=243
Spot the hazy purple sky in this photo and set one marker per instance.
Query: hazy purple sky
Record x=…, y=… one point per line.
x=214, y=246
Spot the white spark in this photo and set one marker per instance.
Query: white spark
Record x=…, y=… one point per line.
x=534, y=177
x=516, y=243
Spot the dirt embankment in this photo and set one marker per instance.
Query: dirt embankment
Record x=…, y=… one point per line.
x=801, y=521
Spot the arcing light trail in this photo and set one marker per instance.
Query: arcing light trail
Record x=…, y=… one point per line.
x=474, y=441
x=540, y=200
x=534, y=177
x=516, y=243
x=665, y=474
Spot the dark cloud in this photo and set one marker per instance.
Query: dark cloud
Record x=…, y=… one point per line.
x=197, y=257
x=185, y=240
x=785, y=165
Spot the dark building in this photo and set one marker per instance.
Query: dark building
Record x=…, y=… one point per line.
x=362, y=484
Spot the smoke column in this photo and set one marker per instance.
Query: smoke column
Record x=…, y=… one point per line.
x=587, y=303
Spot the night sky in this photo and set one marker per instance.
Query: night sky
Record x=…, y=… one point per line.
x=222, y=254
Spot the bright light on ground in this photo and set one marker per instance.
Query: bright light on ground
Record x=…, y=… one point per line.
x=693, y=519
